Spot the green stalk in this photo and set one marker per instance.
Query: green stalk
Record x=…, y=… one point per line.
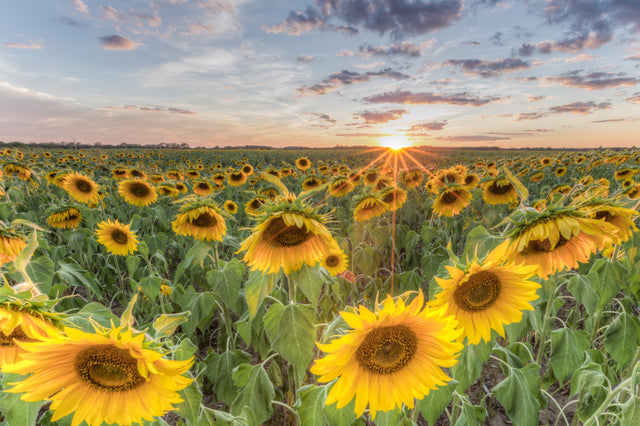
x=545, y=325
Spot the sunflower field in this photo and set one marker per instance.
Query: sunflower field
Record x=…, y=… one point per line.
x=319, y=286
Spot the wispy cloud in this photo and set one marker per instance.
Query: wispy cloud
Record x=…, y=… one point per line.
x=305, y=58
x=24, y=46
x=409, y=98
x=581, y=108
x=473, y=138
x=117, y=42
x=381, y=117
x=485, y=68
x=346, y=78
x=591, y=81
x=405, y=48
x=170, y=110
x=433, y=125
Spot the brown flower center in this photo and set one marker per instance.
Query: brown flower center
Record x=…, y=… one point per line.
x=136, y=173
x=16, y=334
x=542, y=246
x=332, y=260
x=449, y=197
x=139, y=189
x=386, y=350
x=119, y=236
x=498, y=189
x=84, y=186
x=479, y=292
x=204, y=220
x=280, y=234
x=108, y=368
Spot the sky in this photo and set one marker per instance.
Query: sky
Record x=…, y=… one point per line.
x=507, y=73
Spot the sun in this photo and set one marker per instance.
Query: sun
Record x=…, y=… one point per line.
x=395, y=142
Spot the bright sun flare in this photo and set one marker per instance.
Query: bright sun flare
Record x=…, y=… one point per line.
x=395, y=142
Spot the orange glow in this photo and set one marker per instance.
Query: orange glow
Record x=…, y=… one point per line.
x=395, y=142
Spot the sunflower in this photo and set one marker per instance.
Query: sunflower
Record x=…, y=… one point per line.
x=11, y=244
x=609, y=212
x=368, y=207
x=289, y=235
x=230, y=207
x=19, y=321
x=323, y=169
x=120, y=173
x=201, y=221
x=370, y=177
x=557, y=239
x=137, y=174
x=81, y=188
x=355, y=177
x=202, y=188
x=486, y=295
x=546, y=161
x=627, y=183
x=181, y=187
x=110, y=376
x=137, y=192
x=499, y=191
x=254, y=205
x=67, y=217
x=156, y=178
x=394, y=196
x=411, y=178
x=536, y=177
x=218, y=178
x=236, y=178
x=335, y=262
x=116, y=237
x=586, y=180
x=340, y=186
x=561, y=171
x=168, y=190
x=303, y=163
x=390, y=356
x=451, y=201
x=625, y=174
x=451, y=175
x=174, y=174
x=286, y=171
x=471, y=181
x=633, y=192
x=247, y=169
x=311, y=182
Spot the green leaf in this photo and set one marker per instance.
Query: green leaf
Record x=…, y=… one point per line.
x=631, y=411
x=343, y=416
x=16, y=411
x=568, y=347
x=190, y=407
x=41, y=272
x=587, y=378
x=227, y=281
x=581, y=288
x=434, y=403
x=202, y=307
x=388, y=418
x=310, y=281
x=199, y=252
x=132, y=264
x=182, y=267
x=74, y=276
x=519, y=394
x=292, y=334
x=611, y=275
x=522, y=191
x=164, y=325
x=185, y=350
x=479, y=243
x=622, y=337
x=150, y=286
x=24, y=257
x=310, y=405
x=469, y=365
x=471, y=415
x=126, y=319
x=221, y=374
x=256, y=394
x=258, y=286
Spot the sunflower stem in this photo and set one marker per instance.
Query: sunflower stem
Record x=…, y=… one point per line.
x=545, y=324
x=292, y=289
x=288, y=407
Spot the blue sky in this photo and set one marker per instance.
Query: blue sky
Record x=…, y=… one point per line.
x=532, y=73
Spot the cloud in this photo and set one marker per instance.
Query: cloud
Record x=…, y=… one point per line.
x=405, y=48
x=488, y=68
x=583, y=57
x=399, y=18
x=635, y=57
x=408, y=98
x=111, y=14
x=306, y=58
x=473, y=138
x=525, y=116
x=574, y=44
x=346, y=78
x=381, y=117
x=24, y=46
x=434, y=125
x=117, y=42
x=80, y=7
x=594, y=13
x=532, y=98
x=591, y=81
x=323, y=117
x=362, y=135
x=634, y=99
x=344, y=52
x=170, y=110
x=582, y=108
x=71, y=22
x=497, y=39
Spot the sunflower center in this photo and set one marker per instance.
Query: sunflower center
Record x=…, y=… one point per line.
x=332, y=260
x=205, y=220
x=479, y=292
x=16, y=334
x=119, y=236
x=386, y=350
x=203, y=186
x=280, y=234
x=108, y=368
x=496, y=188
x=449, y=197
x=604, y=215
x=236, y=176
x=83, y=186
x=139, y=190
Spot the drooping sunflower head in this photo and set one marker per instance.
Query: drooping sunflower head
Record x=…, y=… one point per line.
x=117, y=238
x=612, y=213
x=11, y=244
x=286, y=171
x=96, y=373
x=625, y=173
x=174, y=174
x=137, y=192
x=81, y=188
x=303, y=163
x=451, y=201
x=236, y=178
x=536, y=177
x=202, y=188
x=167, y=190
x=633, y=192
x=340, y=186
x=471, y=181
x=201, y=220
x=411, y=178
x=499, y=191
x=156, y=178
x=370, y=177
x=311, y=182
x=452, y=175
x=254, y=205
x=485, y=296
x=390, y=356
x=288, y=234
x=368, y=207
x=65, y=217
x=394, y=197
